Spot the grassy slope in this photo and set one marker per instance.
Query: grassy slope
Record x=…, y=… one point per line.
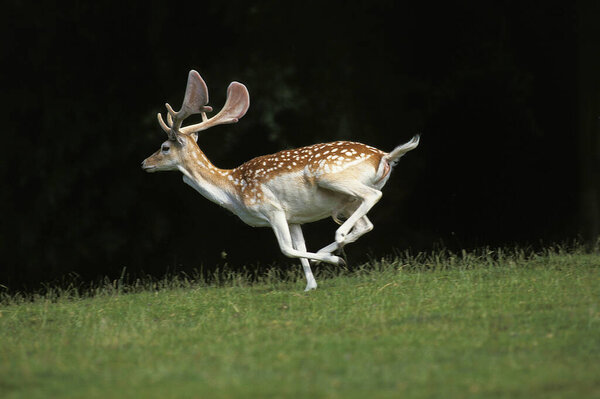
x=441, y=327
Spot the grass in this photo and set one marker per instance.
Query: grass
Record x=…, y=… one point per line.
x=488, y=325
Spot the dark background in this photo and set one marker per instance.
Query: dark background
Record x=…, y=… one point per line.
x=505, y=95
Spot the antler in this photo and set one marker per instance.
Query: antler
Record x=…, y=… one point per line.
x=236, y=105
x=194, y=102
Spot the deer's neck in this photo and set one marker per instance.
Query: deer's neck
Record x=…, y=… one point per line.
x=213, y=183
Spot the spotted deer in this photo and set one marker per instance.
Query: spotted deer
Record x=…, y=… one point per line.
x=342, y=179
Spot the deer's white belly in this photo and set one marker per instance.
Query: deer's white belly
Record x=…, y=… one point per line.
x=302, y=201
x=299, y=196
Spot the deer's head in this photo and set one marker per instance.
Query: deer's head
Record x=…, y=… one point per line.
x=182, y=140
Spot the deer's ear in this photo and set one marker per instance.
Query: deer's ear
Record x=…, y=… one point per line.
x=194, y=135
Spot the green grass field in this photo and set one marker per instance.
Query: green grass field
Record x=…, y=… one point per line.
x=441, y=326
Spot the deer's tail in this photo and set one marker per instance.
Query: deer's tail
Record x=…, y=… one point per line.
x=397, y=153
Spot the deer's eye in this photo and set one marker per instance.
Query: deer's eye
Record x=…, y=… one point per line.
x=165, y=148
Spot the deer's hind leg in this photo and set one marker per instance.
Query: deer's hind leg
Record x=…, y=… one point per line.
x=366, y=196
x=361, y=227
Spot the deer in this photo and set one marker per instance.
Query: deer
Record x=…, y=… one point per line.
x=284, y=190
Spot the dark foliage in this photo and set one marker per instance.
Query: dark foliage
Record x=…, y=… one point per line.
x=492, y=87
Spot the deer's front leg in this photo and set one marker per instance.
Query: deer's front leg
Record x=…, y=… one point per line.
x=300, y=245
x=282, y=232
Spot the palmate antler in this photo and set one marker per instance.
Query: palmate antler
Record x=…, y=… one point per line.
x=194, y=102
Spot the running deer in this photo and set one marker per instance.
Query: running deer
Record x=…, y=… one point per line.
x=341, y=180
